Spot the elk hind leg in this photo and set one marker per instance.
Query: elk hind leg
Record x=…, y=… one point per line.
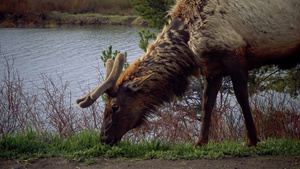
x=239, y=77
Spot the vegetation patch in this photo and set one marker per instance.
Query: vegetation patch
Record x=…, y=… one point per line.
x=85, y=146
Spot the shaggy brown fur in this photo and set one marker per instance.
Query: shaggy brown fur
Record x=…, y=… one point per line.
x=213, y=38
x=165, y=60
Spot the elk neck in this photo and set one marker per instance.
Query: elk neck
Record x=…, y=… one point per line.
x=170, y=61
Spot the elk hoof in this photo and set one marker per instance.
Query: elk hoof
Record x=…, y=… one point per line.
x=200, y=143
x=251, y=143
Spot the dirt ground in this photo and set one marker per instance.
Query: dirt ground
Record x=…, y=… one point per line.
x=232, y=163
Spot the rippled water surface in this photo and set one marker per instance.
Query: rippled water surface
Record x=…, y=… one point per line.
x=72, y=53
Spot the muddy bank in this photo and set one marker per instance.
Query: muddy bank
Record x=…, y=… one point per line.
x=57, y=19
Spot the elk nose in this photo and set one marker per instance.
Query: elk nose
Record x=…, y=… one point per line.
x=110, y=141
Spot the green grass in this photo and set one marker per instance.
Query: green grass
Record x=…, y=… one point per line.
x=85, y=146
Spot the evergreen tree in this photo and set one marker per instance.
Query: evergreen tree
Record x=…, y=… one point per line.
x=153, y=11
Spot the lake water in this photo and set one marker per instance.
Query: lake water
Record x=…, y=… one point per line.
x=73, y=53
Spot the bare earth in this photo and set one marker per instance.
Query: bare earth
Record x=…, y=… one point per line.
x=232, y=163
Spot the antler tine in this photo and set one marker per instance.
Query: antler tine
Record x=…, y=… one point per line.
x=86, y=101
x=111, y=68
x=110, y=82
x=109, y=65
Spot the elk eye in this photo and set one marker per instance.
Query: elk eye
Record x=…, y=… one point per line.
x=115, y=107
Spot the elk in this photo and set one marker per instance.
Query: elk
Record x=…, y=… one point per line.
x=209, y=38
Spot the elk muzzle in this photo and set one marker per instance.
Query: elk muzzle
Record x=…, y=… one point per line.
x=109, y=140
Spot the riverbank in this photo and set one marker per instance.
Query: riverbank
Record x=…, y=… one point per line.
x=58, y=19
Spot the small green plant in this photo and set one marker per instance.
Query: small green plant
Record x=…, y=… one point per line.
x=109, y=54
x=145, y=36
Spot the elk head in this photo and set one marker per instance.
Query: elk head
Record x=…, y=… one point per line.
x=123, y=110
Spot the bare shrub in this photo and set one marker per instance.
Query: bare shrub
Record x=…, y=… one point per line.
x=16, y=105
x=55, y=104
x=60, y=114
x=277, y=115
x=45, y=108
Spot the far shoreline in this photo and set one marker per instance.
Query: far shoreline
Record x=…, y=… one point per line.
x=57, y=19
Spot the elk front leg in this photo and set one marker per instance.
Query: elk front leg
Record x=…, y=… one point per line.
x=211, y=88
x=239, y=78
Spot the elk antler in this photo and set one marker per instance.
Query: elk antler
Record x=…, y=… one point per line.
x=113, y=71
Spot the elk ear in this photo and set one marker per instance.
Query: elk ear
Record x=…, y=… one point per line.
x=138, y=83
